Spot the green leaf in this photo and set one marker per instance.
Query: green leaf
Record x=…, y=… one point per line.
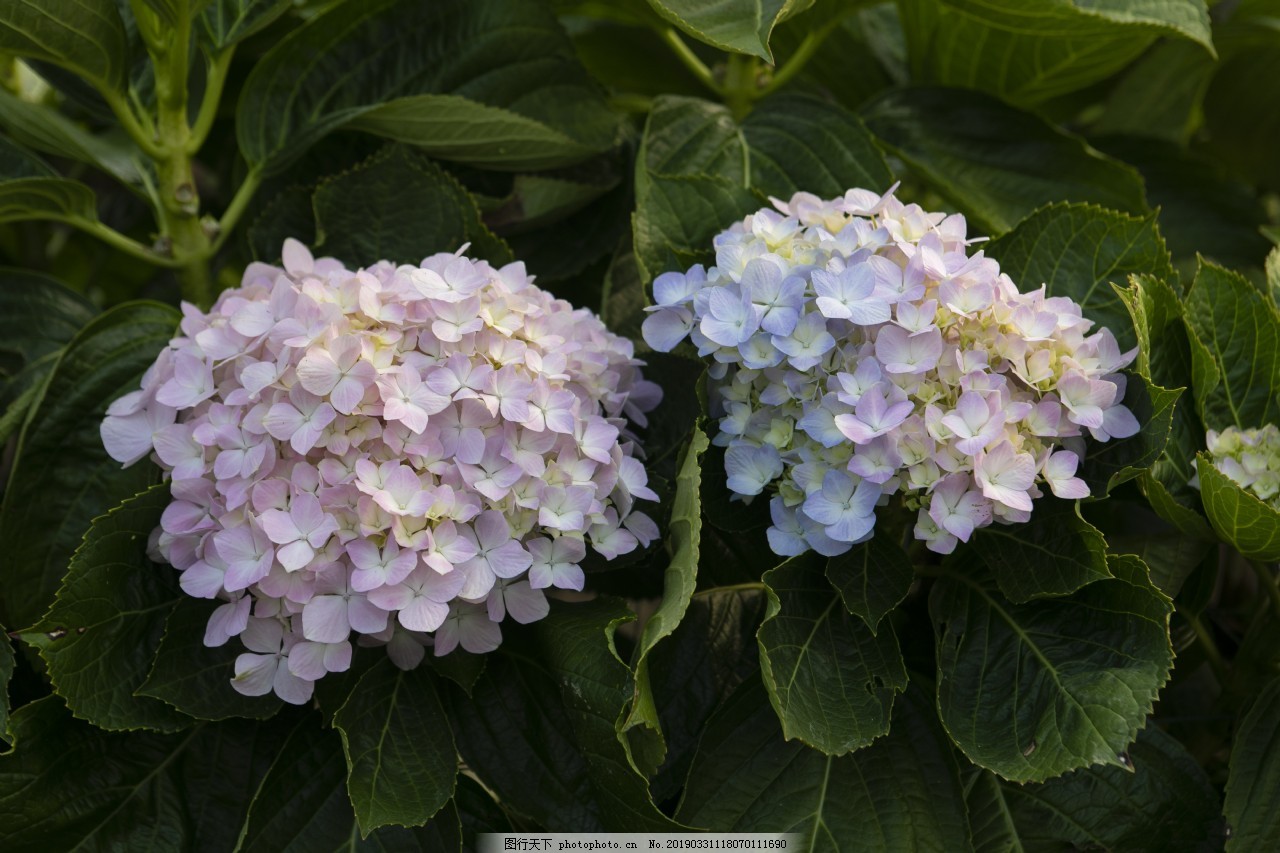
x=1033, y=690
x=401, y=762
x=45, y=129
x=227, y=22
x=514, y=717
x=84, y=36
x=1164, y=356
x=289, y=214
x=1254, y=779
x=697, y=171
x=29, y=189
x=1110, y=463
x=1027, y=52
x=711, y=652
x=1273, y=276
x=738, y=26
x=301, y=803
x=461, y=667
x=402, y=208
x=1250, y=525
x=536, y=201
x=1160, y=95
x=679, y=581
x=454, y=77
x=69, y=786
x=1236, y=364
x=692, y=180
x=900, y=793
x=1202, y=207
x=992, y=161
x=1078, y=251
x=194, y=678
x=1241, y=117
x=105, y=625
x=803, y=143
x=872, y=578
x=38, y=314
x=1161, y=800
x=1055, y=553
x=6, y=673
x=62, y=477
x=830, y=679
x=576, y=644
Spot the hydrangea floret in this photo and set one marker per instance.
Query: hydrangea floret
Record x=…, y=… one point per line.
x=858, y=351
x=1250, y=458
x=407, y=454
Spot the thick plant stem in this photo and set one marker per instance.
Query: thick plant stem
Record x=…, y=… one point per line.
x=740, y=84
x=179, y=199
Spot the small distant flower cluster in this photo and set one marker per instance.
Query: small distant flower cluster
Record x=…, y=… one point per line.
x=1250, y=457
x=860, y=352
x=406, y=453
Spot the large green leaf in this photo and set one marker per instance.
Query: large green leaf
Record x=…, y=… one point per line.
x=1027, y=51
x=900, y=793
x=698, y=171
x=38, y=315
x=1203, y=208
x=1254, y=780
x=993, y=162
x=105, y=625
x=872, y=578
x=63, y=478
x=301, y=803
x=490, y=82
x=679, y=582
x=1055, y=553
x=69, y=786
x=576, y=644
x=1034, y=690
x=84, y=36
x=802, y=143
x=1250, y=525
x=226, y=22
x=1160, y=95
x=1164, y=356
x=710, y=653
x=515, y=717
x=1242, y=117
x=1110, y=463
x=30, y=189
x=400, y=207
x=1079, y=251
x=1236, y=364
x=692, y=180
x=830, y=679
x=195, y=678
x=43, y=128
x=740, y=26
x=1160, y=800
x=402, y=765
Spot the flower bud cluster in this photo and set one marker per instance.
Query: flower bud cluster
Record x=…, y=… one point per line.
x=1250, y=457
x=407, y=454
x=858, y=352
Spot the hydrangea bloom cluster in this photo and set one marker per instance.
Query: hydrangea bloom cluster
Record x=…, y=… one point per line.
x=860, y=352
x=410, y=454
x=1250, y=457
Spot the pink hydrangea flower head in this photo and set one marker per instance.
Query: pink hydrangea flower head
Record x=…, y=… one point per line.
x=860, y=351
x=406, y=456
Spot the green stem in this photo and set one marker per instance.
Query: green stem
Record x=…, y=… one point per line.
x=690, y=59
x=1207, y=645
x=125, y=244
x=1267, y=579
x=737, y=587
x=216, y=79
x=143, y=137
x=236, y=208
x=740, y=87
x=812, y=41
